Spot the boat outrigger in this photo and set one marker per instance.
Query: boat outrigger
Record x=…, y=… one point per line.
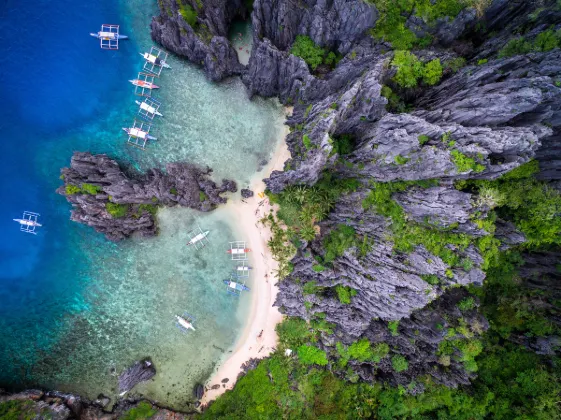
x=149, y=108
x=198, y=238
x=238, y=250
x=155, y=60
x=144, y=84
x=185, y=322
x=235, y=288
x=136, y=132
x=139, y=134
x=29, y=222
x=109, y=37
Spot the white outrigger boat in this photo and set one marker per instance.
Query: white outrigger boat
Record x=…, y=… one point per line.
x=138, y=133
x=148, y=108
x=155, y=60
x=109, y=37
x=198, y=238
x=29, y=222
x=144, y=84
x=106, y=36
x=185, y=322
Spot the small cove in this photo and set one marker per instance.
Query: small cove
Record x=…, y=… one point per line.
x=75, y=306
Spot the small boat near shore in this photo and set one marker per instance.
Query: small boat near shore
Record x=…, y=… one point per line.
x=148, y=108
x=198, y=237
x=155, y=60
x=138, y=133
x=144, y=84
x=235, y=288
x=235, y=251
x=185, y=322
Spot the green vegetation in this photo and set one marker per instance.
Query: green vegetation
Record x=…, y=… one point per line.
x=91, y=189
x=117, y=210
x=202, y=196
x=432, y=72
x=544, y=41
x=21, y=410
x=343, y=145
x=466, y=304
x=362, y=351
x=423, y=139
x=410, y=70
x=188, y=13
x=310, y=355
x=142, y=411
x=482, y=61
x=345, y=293
x=401, y=160
x=173, y=190
x=464, y=163
x=149, y=208
x=307, y=142
x=391, y=27
x=511, y=383
x=305, y=48
x=393, y=326
x=338, y=241
x=399, y=363
x=72, y=189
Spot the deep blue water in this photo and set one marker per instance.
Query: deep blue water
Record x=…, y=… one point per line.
x=54, y=78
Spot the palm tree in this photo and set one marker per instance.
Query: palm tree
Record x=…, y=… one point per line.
x=308, y=233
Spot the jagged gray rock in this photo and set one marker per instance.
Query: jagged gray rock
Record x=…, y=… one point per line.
x=335, y=24
x=140, y=371
x=207, y=43
x=182, y=184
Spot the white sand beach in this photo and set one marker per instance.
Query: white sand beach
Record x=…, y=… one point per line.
x=259, y=337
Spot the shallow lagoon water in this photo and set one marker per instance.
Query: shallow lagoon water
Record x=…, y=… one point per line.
x=74, y=306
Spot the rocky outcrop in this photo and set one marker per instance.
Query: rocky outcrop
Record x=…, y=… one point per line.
x=118, y=205
x=205, y=43
x=140, y=371
x=336, y=24
x=54, y=405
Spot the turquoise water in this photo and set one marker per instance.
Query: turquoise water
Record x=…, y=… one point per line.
x=74, y=306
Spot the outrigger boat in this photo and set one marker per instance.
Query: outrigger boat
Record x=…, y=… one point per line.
x=144, y=84
x=108, y=36
x=136, y=132
x=155, y=60
x=185, y=322
x=235, y=251
x=29, y=222
x=235, y=288
x=198, y=238
x=26, y=222
x=150, y=109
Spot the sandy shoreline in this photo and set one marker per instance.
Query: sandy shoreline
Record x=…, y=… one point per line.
x=259, y=337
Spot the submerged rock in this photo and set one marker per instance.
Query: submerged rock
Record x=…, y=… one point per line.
x=198, y=391
x=246, y=193
x=140, y=371
x=118, y=205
